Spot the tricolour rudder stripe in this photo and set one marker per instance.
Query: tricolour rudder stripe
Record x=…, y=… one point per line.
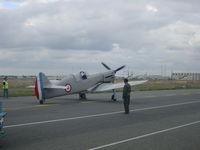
x=41, y=87
x=36, y=89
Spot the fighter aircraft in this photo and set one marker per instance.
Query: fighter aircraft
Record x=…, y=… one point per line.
x=78, y=84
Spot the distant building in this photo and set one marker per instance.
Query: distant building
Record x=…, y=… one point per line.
x=151, y=77
x=185, y=76
x=17, y=77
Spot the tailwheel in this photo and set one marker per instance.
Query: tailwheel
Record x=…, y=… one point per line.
x=41, y=101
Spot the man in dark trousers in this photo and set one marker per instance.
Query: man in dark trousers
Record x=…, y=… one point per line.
x=126, y=95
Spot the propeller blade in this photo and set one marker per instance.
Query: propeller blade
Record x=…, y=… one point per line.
x=119, y=68
x=105, y=66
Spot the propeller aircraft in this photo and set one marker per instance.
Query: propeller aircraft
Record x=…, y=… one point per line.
x=78, y=84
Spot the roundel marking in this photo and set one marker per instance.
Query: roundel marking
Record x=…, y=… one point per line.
x=68, y=88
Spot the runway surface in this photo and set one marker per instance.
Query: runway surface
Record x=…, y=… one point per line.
x=159, y=120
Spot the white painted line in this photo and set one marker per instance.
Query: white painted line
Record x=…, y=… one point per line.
x=98, y=115
x=145, y=135
x=164, y=106
x=64, y=119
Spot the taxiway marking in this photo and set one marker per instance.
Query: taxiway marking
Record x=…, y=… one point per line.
x=170, y=95
x=33, y=106
x=186, y=93
x=150, y=96
x=85, y=102
x=98, y=115
x=146, y=135
x=45, y=105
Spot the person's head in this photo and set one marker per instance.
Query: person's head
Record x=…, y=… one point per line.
x=5, y=78
x=125, y=80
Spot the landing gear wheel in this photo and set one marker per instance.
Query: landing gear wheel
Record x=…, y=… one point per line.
x=41, y=102
x=114, y=96
x=82, y=96
x=114, y=99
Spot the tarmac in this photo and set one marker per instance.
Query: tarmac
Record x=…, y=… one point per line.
x=158, y=120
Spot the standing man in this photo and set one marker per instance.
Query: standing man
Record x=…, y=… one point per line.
x=126, y=95
x=5, y=87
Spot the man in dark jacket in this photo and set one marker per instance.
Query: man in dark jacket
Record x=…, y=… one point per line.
x=126, y=95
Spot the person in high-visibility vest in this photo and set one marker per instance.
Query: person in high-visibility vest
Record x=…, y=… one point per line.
x=5, y=87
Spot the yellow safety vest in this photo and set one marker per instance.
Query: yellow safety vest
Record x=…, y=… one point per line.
x=5, y=84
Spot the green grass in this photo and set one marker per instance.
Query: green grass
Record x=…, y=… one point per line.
x=167, y=85
x=22, y=91
x=18, y=87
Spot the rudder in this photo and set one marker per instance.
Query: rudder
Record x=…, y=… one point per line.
x=41, y=82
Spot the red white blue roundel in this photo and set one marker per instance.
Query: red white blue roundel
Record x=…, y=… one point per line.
x=68, y=88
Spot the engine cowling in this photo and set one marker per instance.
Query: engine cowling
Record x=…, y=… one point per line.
x=109, y=77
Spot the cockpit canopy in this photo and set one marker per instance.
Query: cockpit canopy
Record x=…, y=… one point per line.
x=83, y=75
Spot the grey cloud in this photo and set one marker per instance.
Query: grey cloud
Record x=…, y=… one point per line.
x=115, y=31
x=75, y=25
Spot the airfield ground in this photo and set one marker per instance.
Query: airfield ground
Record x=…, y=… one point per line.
x=158, y=120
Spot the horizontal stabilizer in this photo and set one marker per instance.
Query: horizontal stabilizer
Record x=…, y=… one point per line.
x=56, y=87
x=31, y=86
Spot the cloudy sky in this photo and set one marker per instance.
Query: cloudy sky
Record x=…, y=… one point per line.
x=64, y=36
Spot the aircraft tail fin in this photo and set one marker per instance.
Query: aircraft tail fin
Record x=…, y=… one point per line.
x=40, y=84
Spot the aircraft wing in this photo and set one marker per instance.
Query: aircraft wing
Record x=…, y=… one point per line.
x=110, y=86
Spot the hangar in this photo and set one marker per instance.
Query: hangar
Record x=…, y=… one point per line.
x=185, y=76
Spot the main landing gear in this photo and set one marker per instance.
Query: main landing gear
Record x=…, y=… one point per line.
x=82, y=96
x=114, y=96
x=42, y=101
